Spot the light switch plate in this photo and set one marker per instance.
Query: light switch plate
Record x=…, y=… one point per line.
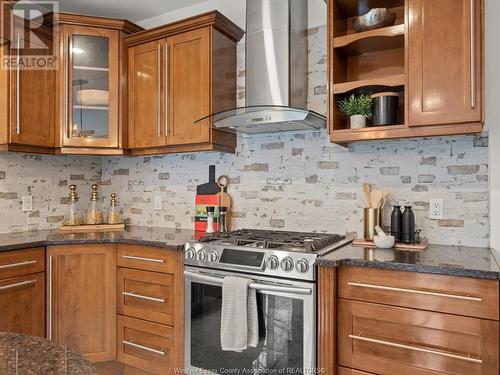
x=158, y=203
x=436, y=209
x=27, y=203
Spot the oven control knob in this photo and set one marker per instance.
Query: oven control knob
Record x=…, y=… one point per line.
x=213, y=256
x=202, y=255
x=287, y=264
x=302, y=265
x=190, y=253
x=273, y=262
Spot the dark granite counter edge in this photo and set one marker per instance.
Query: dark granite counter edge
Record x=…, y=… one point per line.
x=439, y=270
x=30, y=244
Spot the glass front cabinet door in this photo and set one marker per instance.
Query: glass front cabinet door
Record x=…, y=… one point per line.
x=90, y=94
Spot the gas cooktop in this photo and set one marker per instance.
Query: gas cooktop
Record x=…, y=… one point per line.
x=273, y=253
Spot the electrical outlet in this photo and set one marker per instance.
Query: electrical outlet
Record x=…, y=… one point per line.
x=158, y=203
x=27, y=203
x=436, y=209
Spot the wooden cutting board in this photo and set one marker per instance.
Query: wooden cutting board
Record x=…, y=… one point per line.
x=225, y=199
x=423, y=245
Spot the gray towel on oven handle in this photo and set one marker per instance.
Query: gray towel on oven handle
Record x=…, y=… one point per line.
x=239, y=319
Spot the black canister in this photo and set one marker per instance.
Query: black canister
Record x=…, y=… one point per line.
x=385, y=108
x=396, y=223
x=408, y=231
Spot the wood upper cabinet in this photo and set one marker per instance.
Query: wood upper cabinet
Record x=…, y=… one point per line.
x=178, y=74
x=146, y=69
x=188, y=87
x=445, y=62
x=82, y=299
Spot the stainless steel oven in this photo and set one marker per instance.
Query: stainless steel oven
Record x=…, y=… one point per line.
x=287, y=326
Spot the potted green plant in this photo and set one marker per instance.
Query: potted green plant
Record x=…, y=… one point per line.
x=358, y=108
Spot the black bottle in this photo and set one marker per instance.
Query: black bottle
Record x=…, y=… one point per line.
x=408, y=231
x=396, y=222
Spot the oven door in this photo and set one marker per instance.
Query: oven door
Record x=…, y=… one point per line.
x=287, y=326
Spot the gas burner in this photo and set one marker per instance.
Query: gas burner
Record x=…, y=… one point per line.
x=277, y=240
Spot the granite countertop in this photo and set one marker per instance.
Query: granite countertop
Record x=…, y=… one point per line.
x=30, y=355
x=474, y=262
x=172, y=239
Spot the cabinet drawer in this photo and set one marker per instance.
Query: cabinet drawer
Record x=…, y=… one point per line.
x=146, y=295
x=146, y=258
x=350, y=371
x=22, y=304
x=22, y=262
x=145, y=345
x=390, y=340
x=450, y=294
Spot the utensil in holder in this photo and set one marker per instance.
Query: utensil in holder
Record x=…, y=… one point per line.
x=371, y=218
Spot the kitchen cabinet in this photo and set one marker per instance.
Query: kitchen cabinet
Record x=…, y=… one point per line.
x=150, y=295
x=91, y=85
x=22, y=292
x=82, y=299
x=432, y=57
x=178, y=74
x=445, y=62
x=404, y=322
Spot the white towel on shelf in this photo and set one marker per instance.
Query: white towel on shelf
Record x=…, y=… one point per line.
x=239, y=327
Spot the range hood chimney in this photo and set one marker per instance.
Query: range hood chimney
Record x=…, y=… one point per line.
x=276, y=72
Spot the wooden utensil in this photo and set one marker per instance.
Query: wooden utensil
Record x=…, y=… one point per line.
x=224, y=198
x=366, y=191
x=376, y=198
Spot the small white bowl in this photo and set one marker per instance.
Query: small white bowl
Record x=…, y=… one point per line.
x=384, y=242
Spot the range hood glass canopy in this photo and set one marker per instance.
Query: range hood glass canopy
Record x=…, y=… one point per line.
x=276, y=68
x=266, y=119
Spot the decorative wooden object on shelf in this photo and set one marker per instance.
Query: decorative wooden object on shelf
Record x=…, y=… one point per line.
x=439, y=57
x=92, y=228
x=423, y=245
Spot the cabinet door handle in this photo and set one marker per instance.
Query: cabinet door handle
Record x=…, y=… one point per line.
x=415, y=348
x=49, y=297
x=403, y=290
x=158, y=102
x=10, y=286
x=18, y=85
x=166, y=89
x=143, y=259
x=148, y=349
x=473, y=53
x=66, y=91
x=140, y=296
x=20, y=264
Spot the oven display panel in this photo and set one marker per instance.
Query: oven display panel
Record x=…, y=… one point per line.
x=242, y=258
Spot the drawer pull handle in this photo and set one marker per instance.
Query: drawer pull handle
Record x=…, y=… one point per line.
x=144, y=259
x=414, y=348
x=370, y=286
x=133, y=344
x=140, y=296
x=10, y=286
x=20, y=264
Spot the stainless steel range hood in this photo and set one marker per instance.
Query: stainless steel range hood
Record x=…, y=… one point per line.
x=276, y=72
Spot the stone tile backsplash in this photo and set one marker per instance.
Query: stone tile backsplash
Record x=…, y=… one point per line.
x=293, y=181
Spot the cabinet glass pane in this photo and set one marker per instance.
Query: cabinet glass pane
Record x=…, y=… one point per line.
x=90, y=86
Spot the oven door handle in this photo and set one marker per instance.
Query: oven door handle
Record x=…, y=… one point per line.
x=253, y=285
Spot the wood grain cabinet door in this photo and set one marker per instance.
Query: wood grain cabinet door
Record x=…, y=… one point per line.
x=82, y=299
x=189, y=93
x=31, y=96
x=146, y=93
x=22, y=304
x=390, y=340
x=445, y=62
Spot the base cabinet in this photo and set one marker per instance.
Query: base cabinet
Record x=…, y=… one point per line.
x=82, y=299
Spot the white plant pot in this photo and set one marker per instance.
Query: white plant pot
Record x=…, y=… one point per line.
x=358, y=122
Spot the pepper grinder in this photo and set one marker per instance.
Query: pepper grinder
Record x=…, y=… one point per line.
x=396, y=222
x=408, y=226
x=210, y=220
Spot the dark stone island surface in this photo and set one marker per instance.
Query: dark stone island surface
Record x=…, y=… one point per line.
x=474, y=262
x=30, y=355
x=447, y=260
